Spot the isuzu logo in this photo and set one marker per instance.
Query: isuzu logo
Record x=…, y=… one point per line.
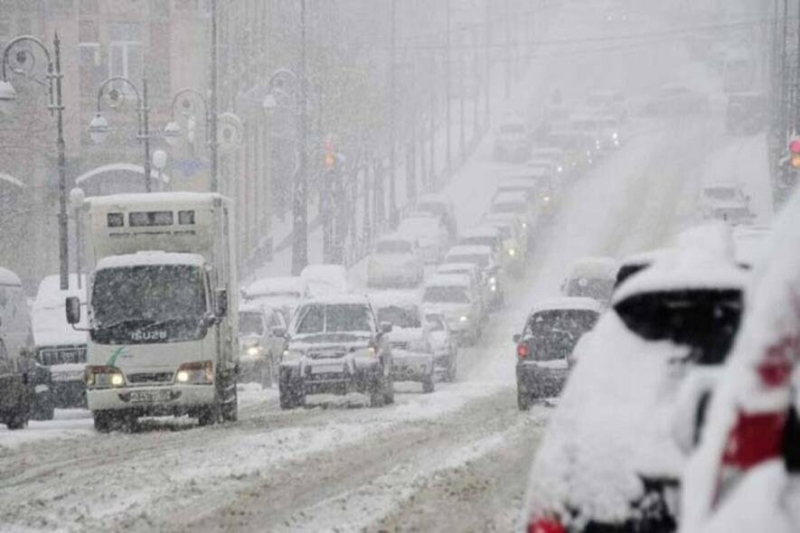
x=155, y=335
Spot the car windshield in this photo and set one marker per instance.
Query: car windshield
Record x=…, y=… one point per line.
x=481, y=260
x=446, y=294
x=554, y=334
x=597, y=288
x=720, y=193
x=333, y=318
x=400, y=317
x=149, y=303
x=251, y=323
x=393, y=247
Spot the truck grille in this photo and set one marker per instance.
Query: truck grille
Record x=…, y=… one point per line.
x=150, y=377
x=59, y=355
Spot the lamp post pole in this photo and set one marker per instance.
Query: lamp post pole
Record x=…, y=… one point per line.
x=25, y=63
x=300, y=196
x=212, y=107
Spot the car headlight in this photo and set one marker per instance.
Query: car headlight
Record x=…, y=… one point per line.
x=546, y=199
x=493, y=280
x=463, y=318
x=615, y=136
x=254, y=351
x=512, y=252
x=524, y=225
x=559, y=169
x=291, y=355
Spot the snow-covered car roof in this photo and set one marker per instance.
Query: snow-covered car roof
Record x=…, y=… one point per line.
x=416, y=223
x=150, y=258
x=334, y=299
x=278, y=285
x=468, y=249
x=448, y=280
x=594, y=267
x=481, y=231
x=552, y=151
x=452, y=268
x=568, y=302
x=398, y=298
x=685, y=270
x=7, y=277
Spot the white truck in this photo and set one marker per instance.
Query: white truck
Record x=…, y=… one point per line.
x=162, y=308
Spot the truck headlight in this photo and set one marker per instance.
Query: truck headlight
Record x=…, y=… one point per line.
x=254, y=351
x=463, y=318
x=103, y=377
x=512, y=252
x=200, y=373
x=291, y=355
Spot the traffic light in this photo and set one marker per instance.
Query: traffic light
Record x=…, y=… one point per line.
x=794, y=152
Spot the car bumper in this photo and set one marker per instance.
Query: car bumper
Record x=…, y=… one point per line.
x=155, y=400
x=330, y=376
x=540, y=382
x=411, y=366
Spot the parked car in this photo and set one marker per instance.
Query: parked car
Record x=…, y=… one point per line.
x=17, y=389
x=593, y=277
x=551, y=332
x=441, y=206
x=453, y=296
x=608, y=461
x=444, y=344
x=395, y=262
x=283, y=293
x=431, y=235
x=336, y=345
x=412, y=349
x=726, y=201
x=325, y=280
x=492, y=276
x=512, y=141
x=261, y=342
x=59, y=347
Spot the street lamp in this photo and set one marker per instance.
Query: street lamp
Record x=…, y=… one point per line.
x=76, y=198
x=160, y=162
x=99, y=128
x=24, y=63
x=173, y=133
x=279, y=82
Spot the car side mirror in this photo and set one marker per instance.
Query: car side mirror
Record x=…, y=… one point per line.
x=73, y=309
x=279, y=332
x=221, y=309
x=386, y=327
x=516, y=338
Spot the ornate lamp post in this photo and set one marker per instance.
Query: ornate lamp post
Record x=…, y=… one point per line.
x=99, y=128
x=24, y=63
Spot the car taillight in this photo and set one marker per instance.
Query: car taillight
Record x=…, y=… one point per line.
x=756, y=437
x=546, y=525
x=523, y=351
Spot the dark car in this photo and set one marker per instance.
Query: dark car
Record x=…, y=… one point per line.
x=545, y=345
x=17, y=389
x=336, y=346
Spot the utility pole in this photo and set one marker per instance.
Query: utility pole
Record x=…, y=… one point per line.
x=212, y=97
x=475, y=83
x=508, y=51
x=448, y=92
x=392, y=122
x=63, y=246
x=462, y=131
x=487, y=84
x=300, y=196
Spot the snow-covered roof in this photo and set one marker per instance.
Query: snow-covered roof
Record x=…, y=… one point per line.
x=468, y=249
x=9, y=278
x=323, y=279
x=155, y=198
x=278, y=285
x=686, y=269
x=119, y=167
x=594, y=267
x=448, y=280
x=150, y=258
x=397, y=298
x=568, y=302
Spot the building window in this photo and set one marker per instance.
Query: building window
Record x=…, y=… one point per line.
x=125, y=51
x=92, y=72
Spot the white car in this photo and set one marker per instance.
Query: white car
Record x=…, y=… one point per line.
x=325, y=280
x=430, y=233
x=727, y=202
x=445, y=347
x=512, y=141
x=395, y=261
x=476, y=278
x=441, y=206
x=454, y=297
x=283, y=293
x=261, y=343
x=592, y=277
x=412, y=349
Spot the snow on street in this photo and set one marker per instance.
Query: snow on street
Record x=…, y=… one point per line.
x=456, y=459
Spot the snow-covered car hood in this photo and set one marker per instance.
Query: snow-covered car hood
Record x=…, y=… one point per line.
x=405, y=335
x=609, y=429
x=328, y=344
x=450, y=311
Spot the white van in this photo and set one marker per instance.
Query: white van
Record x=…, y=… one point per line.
x=15, y=318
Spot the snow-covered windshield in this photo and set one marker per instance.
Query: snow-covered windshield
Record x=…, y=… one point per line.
x=398, y=316
x=148, y=303
x=333, y=318
x=444, y=294
x=554, y=334
x=251, y=323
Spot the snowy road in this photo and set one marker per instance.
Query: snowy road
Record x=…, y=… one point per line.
x=453, y=460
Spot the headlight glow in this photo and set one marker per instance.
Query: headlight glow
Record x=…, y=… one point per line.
x=492, y=280
x=615, y=135
x=183, y=376
x=512, y=252
x=117, y=380
x=560, y=169
x=524, y=225
x=253, y=351
x=463, y=318
x=546, y=199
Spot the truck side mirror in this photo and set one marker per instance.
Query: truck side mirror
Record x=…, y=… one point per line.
x=73, y=308
x=221, y=301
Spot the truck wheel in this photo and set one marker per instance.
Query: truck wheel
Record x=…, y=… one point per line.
x=524, y=400
x=102, y=421
x=428, y=385
x=209, y=415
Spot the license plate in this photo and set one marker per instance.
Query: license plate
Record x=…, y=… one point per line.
x=326, y=369
x=150, y=396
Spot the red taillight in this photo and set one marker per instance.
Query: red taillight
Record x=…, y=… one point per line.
x=523, y=351
x=754, y=438
x=546, y=525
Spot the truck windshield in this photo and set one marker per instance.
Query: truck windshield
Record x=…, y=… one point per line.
x=148, y=304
